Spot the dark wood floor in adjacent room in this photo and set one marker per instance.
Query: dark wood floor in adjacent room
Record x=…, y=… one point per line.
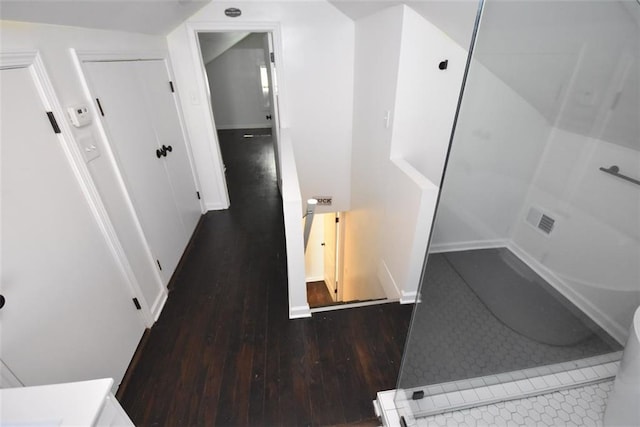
x=318, y=295
x=224, y=351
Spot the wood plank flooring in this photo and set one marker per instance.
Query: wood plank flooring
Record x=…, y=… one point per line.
x=318, y=295
x=224, y=351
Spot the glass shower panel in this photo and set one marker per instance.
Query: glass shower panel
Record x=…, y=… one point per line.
x=534, y=260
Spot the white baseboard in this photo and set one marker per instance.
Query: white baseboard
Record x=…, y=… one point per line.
x=315, y=279
x=409, y=297
x=466, y=246
x=215, y=206
x=300, y=311
x=612, y=327
x=352, y=305
x=389, y=285
x=250, y=126
x=158, y=304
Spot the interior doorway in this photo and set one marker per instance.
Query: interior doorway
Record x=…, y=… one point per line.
x=241, y=85
x=327, y=286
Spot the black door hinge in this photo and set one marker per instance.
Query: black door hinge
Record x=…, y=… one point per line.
x=198, y=194
x=273, y=57
x=54, y=123
x=337, y=219
x=159, y=266
x=137, y=304
x=100, y=107
x=171, y=86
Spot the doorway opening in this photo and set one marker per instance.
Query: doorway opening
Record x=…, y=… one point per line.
x=328, y=287
x=241, y=85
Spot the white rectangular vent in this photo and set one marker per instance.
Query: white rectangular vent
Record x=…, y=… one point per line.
x=546, y=224
x=540, y=221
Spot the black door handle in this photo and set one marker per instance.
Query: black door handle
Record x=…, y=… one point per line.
x=2, y=301
x=160, y=152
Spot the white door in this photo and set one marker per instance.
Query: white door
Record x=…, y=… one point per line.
x=330, y=241
x=67, y=314
x=130, y=126
x=164, y=113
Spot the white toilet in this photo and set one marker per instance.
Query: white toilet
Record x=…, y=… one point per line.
x=623, y=408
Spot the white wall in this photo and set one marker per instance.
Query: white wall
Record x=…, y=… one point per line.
x=316, y=92
x=427, y=97
x=236, y=89
x=393, y=199
x=594, y=249
x=494, y=157
x=53, y=43
x=293, y=229
x=314, y=255
x=378, y=39
x=506, y=159
x=410, y=207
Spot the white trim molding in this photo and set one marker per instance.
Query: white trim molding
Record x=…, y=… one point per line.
x=389, y=285
x=299, y=312
x=437, y=248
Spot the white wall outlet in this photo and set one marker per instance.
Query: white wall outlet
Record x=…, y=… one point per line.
x=79, y=115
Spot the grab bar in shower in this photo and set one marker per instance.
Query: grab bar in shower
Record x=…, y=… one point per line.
x=615, y=171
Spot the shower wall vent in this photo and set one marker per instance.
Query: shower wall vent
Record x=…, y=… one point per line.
x=540, y=221
x=546, y=223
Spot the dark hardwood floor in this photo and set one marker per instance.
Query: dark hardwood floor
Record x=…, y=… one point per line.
x=224, y=351
x=318, y=295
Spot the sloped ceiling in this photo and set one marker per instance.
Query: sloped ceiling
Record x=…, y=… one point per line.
x=213, y=45
x=575, y=61
x=156, y=17
x=453, y=17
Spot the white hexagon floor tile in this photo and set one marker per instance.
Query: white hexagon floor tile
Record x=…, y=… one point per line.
x=581, y=406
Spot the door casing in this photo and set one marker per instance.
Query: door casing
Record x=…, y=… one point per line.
x=280, y=120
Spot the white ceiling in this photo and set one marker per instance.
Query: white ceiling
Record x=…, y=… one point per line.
x=139, y=16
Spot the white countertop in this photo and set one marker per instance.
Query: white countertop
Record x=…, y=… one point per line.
x=69, y=404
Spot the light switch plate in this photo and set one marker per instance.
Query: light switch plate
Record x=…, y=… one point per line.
x=89, y=148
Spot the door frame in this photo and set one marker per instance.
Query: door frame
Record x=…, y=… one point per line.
x=32, y=60
x=273, y=28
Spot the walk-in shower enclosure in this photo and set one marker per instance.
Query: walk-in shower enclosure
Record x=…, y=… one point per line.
x=534, y=260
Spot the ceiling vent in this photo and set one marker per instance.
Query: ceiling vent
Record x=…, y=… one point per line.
x=540, y=221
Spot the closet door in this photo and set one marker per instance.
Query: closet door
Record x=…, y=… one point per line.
x=132, y=136
x=67, y=315
x=164, y=114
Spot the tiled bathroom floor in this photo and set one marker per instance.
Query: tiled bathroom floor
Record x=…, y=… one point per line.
x=454, y=336
x=582, y=406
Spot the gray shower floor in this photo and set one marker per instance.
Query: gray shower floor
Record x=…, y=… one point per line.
x=471, y=324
